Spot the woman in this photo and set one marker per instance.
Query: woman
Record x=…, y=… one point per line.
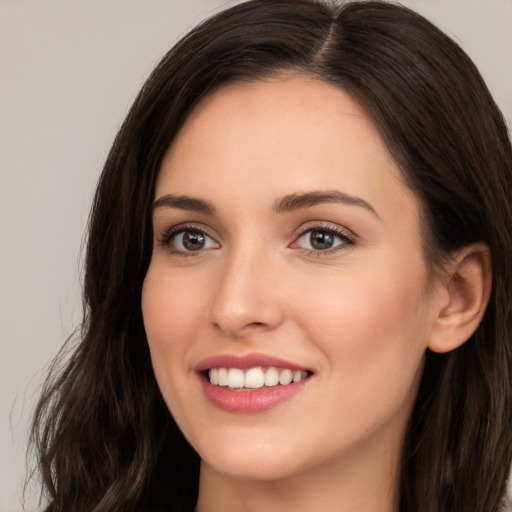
x=298, y=278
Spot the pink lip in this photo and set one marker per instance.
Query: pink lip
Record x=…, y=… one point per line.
x=258, y=400
x=245, y=361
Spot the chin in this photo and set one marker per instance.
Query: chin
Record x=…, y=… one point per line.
x=259, y=461
x=254, y=469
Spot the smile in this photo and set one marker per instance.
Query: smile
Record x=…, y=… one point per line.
x=254, y=378
x=251, y=383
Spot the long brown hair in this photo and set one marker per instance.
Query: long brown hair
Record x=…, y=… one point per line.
x=104, y=437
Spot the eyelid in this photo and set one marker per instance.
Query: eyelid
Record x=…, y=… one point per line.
x=166, y=237
x=348, y=237
x=327, y=226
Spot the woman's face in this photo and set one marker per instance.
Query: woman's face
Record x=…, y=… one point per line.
x=286, y=247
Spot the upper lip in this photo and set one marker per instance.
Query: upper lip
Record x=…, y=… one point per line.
x=245, y=361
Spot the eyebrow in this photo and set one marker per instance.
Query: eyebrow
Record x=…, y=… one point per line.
x=184, y=203
x=294, y=202
x=288, y=203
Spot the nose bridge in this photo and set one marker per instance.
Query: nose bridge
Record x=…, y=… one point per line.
x=245, y=297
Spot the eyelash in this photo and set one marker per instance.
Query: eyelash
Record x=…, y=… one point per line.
x=166, y=239
x=346, y=239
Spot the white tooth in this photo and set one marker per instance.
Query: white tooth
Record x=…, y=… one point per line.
x=235, y=378
x=213, y=374
x=271, y=377
x=304, y=374
x=222, y=377
x=297, y=376
x=254, y=378
x=285, y=377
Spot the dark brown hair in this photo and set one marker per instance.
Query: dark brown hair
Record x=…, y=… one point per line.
x=104, y=437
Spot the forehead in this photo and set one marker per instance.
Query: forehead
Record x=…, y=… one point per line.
x=288, y=111
x=278, y=137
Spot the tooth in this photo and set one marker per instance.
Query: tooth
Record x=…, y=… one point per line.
x=285, y=377
x=271, y=377
x=235, y=378
x=222, y=377
x=254, y=378
x=213, y=374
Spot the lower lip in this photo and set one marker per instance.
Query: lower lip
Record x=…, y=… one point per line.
x=258, y=400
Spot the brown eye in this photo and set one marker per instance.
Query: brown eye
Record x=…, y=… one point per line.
x=191, y=240
x=321, y=240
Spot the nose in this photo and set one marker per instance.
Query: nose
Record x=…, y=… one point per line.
x=247, y=297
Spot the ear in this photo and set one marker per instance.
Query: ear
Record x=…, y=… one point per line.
x=466, y=288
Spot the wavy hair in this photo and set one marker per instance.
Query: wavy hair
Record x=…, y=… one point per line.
x=104, y=437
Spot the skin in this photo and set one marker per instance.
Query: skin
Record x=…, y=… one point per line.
x=360, y=316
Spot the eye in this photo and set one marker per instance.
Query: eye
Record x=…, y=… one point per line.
x=187, y=240
x=321, y=239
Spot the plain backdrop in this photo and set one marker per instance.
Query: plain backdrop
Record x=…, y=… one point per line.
x=69, y=70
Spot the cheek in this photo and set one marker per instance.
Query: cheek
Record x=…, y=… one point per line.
x=172, y=309
x=364, y=308
x=372, y=331
x=172, y=313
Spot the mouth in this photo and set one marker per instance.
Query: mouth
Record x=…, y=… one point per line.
x=251, y=382
x=239, y=379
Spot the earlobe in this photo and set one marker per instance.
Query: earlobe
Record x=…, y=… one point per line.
x=467, y=288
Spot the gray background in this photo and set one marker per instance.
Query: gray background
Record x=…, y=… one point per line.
x=68, y=72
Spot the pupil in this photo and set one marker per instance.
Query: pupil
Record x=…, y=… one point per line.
x=321, y=240
x=193, y=241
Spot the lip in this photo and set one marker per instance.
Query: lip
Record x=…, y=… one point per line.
x=246, y=361
x=258, y=400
